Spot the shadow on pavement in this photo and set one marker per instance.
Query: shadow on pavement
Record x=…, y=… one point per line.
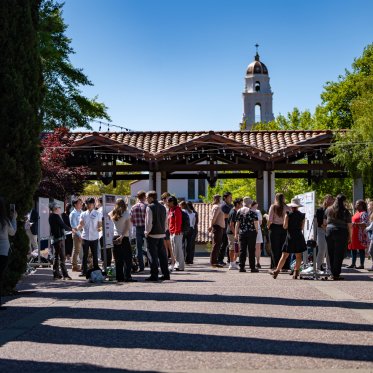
x=8, y=365
x=204, y=319
x=186, y=297
x=175, y=341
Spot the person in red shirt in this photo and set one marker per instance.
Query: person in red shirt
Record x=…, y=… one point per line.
x=359, y=238
x=176, y=233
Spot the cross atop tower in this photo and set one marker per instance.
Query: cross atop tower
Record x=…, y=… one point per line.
x=257, y=54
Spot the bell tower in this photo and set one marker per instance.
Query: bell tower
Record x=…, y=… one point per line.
x=257, y=95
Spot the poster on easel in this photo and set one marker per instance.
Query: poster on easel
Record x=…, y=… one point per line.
x=308, y=200
x=108, y=204
x=43, y=211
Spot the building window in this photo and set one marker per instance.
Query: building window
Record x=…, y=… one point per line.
x=201, y=188
x=257, y=86
x=258, y=113
x=191, y=189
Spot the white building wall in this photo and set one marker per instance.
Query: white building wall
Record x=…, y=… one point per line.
x=179, y=188
x=138, y=185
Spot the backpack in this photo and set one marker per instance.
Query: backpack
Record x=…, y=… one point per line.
x=185, y=222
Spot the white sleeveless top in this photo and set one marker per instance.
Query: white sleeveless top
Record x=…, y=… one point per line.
x=123, y=225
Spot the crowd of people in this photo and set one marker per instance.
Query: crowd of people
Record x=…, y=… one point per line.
x=239, y=225
x=169, y=228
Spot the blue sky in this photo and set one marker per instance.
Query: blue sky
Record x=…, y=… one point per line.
x=180, y=65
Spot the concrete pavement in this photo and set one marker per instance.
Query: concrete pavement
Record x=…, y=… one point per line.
x=202, y=320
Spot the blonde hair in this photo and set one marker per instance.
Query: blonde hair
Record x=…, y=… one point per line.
x=120, y=207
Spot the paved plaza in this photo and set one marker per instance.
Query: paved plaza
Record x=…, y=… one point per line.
x=202, y=320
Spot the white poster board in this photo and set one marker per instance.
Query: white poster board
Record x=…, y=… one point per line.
x=43, y=211
x=308, y=200
x=108, y=203
x=43, y=226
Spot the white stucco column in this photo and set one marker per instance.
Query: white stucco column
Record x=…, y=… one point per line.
x=357, y=190
x=151, y=184
x=271, y=189
x=158, y=184
x=265, y=190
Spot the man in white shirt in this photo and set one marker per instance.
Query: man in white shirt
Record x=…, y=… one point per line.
x=77, y=236
x=91, y=223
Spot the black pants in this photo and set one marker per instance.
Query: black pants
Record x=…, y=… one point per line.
x=361, y=255
x=109, y=255
x=217, y=235
x=190, y=246
x=59, y=259
x=69, y=244
x=157, y=254
x=248, y=244
x=123, y=259
x=86, y=246
x=337, y=241
x=224, y=247
x=277, y=236
x=3, y=264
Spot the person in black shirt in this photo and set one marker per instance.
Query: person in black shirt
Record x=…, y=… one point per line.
x=233, y=243
x=69, y=238
x=226, y=207
x=295, y=242
x=338, y=234
x=57, y=230
x=246, y=230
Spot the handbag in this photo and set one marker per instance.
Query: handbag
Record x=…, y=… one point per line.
x=97, y=276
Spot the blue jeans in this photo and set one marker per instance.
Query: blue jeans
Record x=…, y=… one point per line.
x=140, y=236
x=361, y=255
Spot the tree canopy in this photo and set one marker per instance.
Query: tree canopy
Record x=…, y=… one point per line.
x=21, y=94
x=350, y=105
x=58, y=179
x=64, y=105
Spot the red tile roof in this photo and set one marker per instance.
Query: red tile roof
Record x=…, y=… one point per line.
x=269, y=142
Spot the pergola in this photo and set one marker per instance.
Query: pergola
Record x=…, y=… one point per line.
x=212, y=155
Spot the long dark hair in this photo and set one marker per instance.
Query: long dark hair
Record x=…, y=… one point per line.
x=120, y=207
x=362, y=205
x=190, y=206
x=68, y=208
x=279, y=205
x=3, y=213
x=183, y=205
x=338, y=209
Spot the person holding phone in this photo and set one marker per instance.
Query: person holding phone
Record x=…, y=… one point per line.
x=58, y=234
x=8, y=227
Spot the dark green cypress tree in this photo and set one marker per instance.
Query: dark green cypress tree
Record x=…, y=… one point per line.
x=20, y=124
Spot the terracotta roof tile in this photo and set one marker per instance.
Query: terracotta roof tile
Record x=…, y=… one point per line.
x=203, y=210
x=267, y=141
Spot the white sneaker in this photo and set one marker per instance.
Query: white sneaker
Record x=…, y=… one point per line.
x=308, y=270
x=170, y=268
x=232, y=266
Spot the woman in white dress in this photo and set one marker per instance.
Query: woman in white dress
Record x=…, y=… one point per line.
x=259, y=237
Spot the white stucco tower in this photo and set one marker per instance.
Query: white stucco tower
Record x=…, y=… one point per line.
x=257, y=95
